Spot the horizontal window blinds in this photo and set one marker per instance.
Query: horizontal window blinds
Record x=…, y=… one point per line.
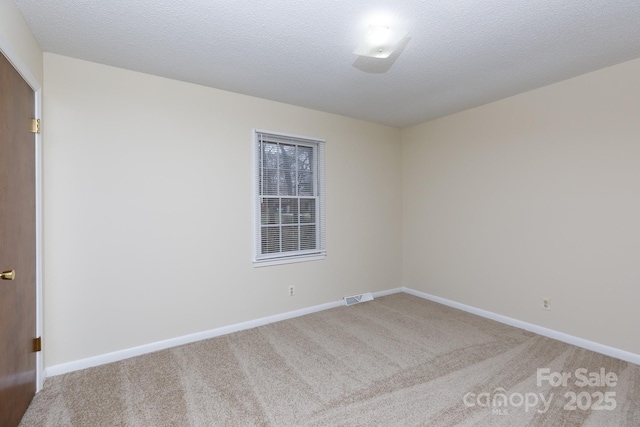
x=289, y=174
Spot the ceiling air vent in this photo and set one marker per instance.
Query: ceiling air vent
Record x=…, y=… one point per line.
x=355, y=299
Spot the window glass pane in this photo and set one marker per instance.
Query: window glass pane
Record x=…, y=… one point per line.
x=288, y=182
x=287, y=156
x=269, y=210
x=307, y=211
x=305, y=155
x=269, y=182
x=305, y=183
x=290, y=238
x=270, y=155
x=289, y=211
x=270, y=240
x=307, y=237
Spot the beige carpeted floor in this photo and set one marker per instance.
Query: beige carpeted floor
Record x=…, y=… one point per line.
x=395, y=361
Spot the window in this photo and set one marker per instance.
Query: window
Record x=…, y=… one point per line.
x=289, y=202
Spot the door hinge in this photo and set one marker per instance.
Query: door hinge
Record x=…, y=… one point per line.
x=35, y=125
x=37, y=344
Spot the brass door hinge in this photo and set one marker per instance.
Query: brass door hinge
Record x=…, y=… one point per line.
x=37, y=344
x=35, y=125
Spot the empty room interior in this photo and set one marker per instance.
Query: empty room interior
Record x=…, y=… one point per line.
x=214, y=179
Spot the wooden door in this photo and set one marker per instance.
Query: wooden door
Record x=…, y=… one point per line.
x=17, y=245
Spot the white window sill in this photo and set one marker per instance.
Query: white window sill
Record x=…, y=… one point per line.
x=291, y=260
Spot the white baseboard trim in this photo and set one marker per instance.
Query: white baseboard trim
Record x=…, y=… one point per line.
x=116, y=356
x=186, y=339
x=389, y=292
x=560, y=336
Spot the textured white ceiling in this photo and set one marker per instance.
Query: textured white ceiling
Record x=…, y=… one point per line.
x=461, y=53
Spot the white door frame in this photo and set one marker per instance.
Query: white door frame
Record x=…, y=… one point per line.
x=17, y=63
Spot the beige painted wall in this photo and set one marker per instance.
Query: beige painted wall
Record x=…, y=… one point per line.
x=148, y=206
x=148, y=210
x=537, y=195
x=16, y=37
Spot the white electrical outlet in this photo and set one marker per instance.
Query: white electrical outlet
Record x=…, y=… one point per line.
x=546, y=303
x=291, y=291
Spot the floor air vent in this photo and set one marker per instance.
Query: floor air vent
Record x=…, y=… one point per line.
x=355, y=299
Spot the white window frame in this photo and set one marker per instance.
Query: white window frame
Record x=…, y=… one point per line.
x=319, y=252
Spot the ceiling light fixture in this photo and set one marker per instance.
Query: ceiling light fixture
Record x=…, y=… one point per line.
x=380, y=41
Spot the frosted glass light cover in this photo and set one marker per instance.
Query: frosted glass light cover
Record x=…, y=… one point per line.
x=379, y=42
